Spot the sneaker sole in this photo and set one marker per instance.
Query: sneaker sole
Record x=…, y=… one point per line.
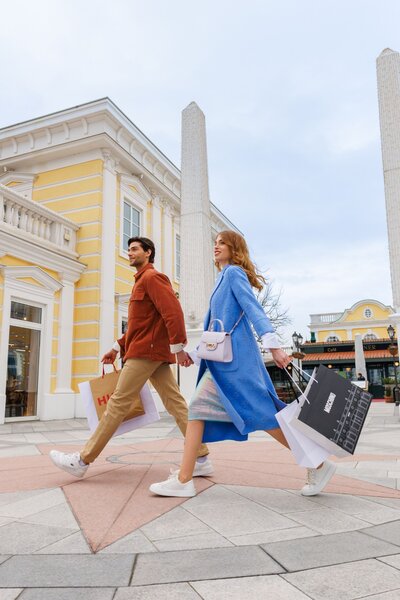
x=172, y=494
x=327, y=478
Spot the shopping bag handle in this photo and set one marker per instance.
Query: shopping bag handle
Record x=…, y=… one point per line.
x=303, y=372
x=301, y=391
x=103, y=372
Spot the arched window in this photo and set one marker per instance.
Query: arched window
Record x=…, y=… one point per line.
x=332, y=338
x=367, y=313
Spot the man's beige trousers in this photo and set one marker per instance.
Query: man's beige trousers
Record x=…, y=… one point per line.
x=133, y=376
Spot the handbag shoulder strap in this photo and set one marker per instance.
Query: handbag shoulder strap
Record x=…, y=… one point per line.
x=237, y=323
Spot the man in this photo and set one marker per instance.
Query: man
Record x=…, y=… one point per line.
x=155, y=337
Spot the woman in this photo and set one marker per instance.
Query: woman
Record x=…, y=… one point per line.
x=233, y=399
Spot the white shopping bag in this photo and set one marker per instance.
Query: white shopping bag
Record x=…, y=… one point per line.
x=151, y=413
x=306, y=452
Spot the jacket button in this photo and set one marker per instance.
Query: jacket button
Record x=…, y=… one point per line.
x=151, y=345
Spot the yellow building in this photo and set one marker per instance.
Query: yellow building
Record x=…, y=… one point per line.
x=369, y=318
x=74, y=186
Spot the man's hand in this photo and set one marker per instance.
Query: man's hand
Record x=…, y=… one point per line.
x=281, y=359
x=109, y=357
x=183, y=359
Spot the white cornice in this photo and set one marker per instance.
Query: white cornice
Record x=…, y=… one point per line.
x=47, y=256
x=96, y=125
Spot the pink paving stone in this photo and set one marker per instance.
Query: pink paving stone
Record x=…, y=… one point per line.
x=113, y=499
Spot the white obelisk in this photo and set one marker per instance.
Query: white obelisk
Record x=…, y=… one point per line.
x=197, y=271
x=388, y=74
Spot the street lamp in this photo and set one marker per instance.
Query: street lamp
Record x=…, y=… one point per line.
x=297, y=342
x=298, y=354
x=393, y=351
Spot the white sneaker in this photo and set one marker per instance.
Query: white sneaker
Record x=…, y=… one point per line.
x=173, y=487
x=204, y=468
x=318, y=478
x=68, y=462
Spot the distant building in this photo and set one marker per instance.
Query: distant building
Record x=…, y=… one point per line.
x=332, y=342
x=369, y=318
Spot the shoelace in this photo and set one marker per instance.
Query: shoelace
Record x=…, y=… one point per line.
x=311, y=473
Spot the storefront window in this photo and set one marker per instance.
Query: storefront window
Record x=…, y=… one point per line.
x=22, y=372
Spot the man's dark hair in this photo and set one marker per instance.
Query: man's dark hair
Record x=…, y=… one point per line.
x=146, y=245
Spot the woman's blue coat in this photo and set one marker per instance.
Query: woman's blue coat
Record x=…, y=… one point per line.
x=244, y=386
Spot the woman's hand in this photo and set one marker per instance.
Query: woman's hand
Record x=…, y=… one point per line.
x=280, y=358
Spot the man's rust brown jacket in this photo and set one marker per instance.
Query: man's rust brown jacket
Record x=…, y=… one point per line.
x=155, y=318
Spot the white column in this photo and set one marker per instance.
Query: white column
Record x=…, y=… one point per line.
x=359, y=354
x=65, y=334
x=196, y=241
x=197, y=269
x=388, y=73
x=107, y=285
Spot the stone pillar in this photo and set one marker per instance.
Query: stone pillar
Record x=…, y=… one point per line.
x=388, y=74
x=197, y=270
x=359, y=353
x=196, y=246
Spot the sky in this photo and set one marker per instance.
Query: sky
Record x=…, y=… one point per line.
x=290, y=97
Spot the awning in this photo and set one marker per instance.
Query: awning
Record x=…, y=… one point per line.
x=349, y=356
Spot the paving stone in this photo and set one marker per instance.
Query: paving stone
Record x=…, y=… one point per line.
x=328, y=520
x=135, y=543
x=395, y=595
x=279, y=535
x=4, y=557
x=390, y=532
x=24, y=538
x=33, y=505
x=214, y=495
x=392, y=502
x=366, y=510
x=67, y=571
x=240, y=518
x=19, y=451
x=193, y=542
x=277, y=500
x=57, y=516
x=297, y=555
x=67, y=594
x=346, y=582
x=176, y=523
x=248, y=588
x=14, y=497
x=172, y=591
x=10, y=594
x=73, y=544
x=192, y=565
x=393, y=561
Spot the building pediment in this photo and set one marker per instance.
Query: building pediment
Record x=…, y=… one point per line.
x=30, y=276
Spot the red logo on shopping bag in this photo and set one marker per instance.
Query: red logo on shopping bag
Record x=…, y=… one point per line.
x=103, y=400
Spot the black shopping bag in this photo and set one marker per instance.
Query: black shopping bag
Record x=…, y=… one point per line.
x=335, y=414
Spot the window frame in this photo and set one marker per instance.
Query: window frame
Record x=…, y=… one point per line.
x=137, y=199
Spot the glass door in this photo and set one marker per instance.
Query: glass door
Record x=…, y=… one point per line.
x=23, y=360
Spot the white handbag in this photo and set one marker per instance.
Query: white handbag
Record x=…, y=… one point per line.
x=217, y=345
